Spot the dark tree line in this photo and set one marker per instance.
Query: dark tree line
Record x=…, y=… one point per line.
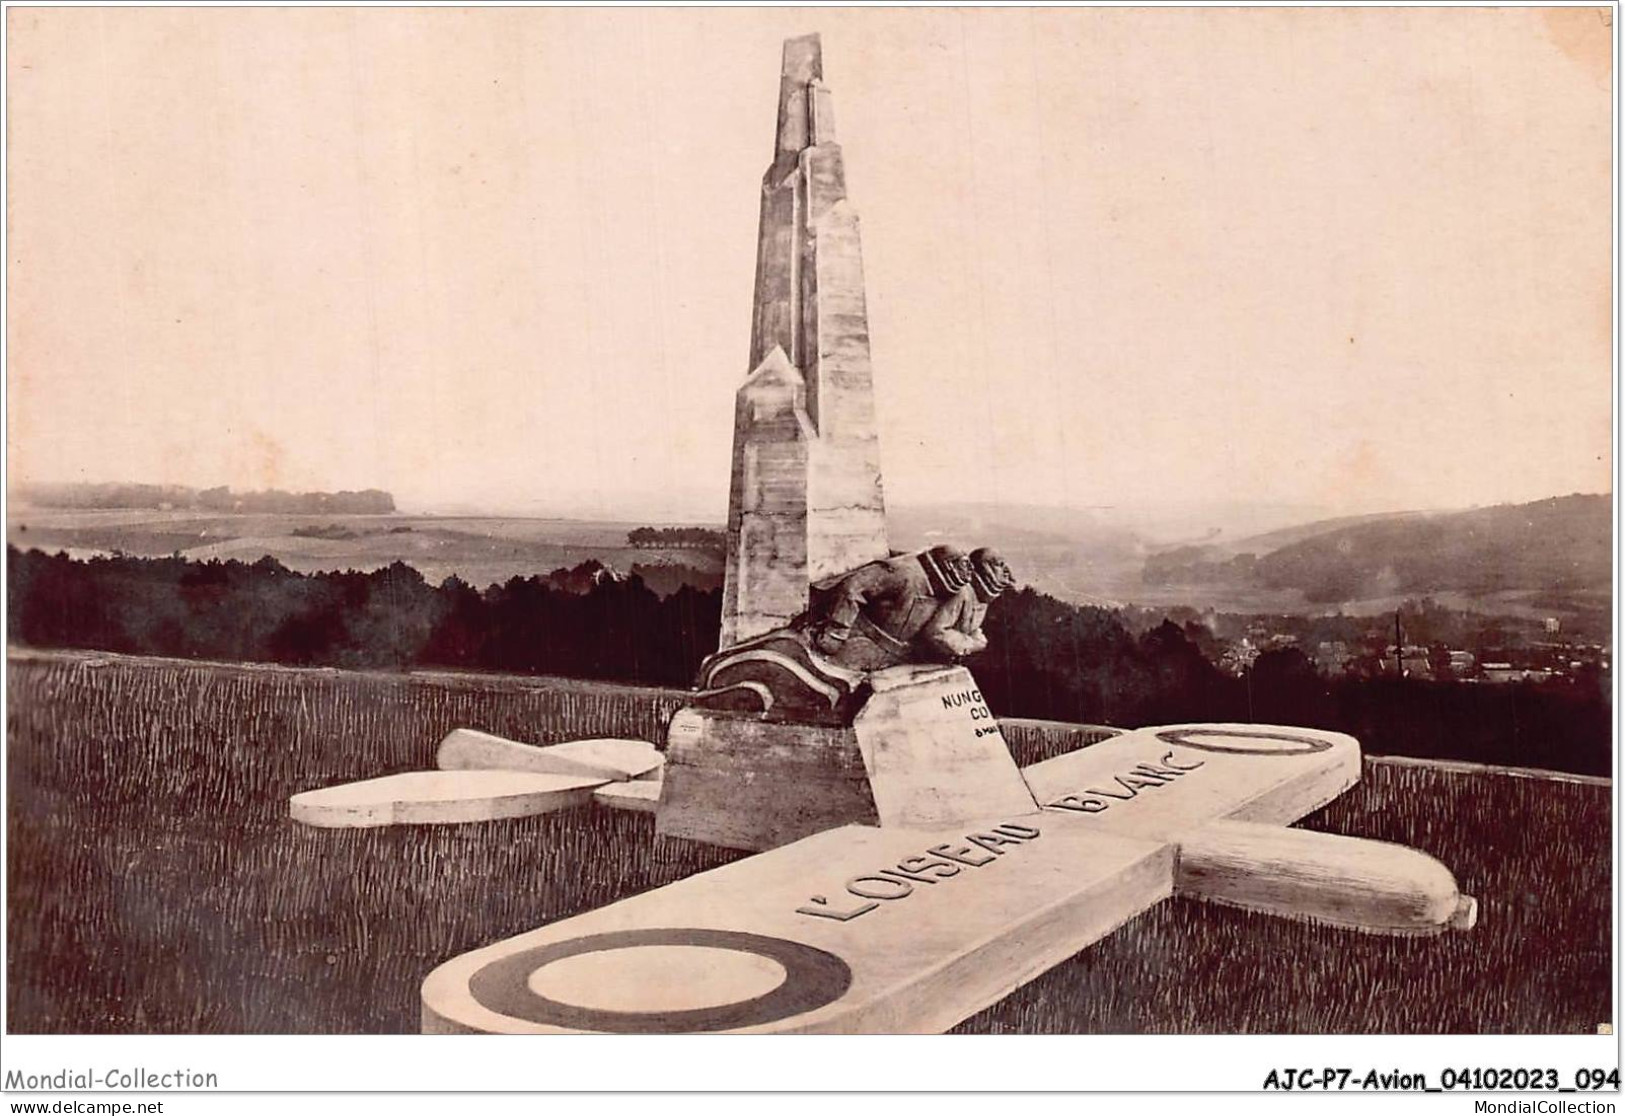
x=1046, y=658
x=578, y=623
x=1064, y=662
x=666, y=579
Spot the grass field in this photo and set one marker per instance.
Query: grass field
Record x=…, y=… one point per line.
x=156, y=884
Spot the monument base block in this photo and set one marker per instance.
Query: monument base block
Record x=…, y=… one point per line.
x=934, y=751
x=924, y=751
x=744, y=783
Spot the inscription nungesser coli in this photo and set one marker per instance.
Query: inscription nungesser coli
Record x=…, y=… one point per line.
x=978, y=710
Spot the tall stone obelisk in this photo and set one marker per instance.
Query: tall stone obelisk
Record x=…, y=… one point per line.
x=806, y=500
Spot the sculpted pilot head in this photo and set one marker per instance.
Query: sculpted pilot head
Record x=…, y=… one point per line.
x=989, y=573
x=947, y=569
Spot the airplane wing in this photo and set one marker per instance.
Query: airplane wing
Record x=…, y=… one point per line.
x=856, y=930
x=1166, y=780
x=1224, y=793
x=910, y=930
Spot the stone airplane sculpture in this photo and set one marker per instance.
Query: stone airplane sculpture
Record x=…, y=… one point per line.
x=906, y=872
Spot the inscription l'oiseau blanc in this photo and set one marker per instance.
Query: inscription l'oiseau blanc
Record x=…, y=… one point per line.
x=1127, y=785
x=939, y=863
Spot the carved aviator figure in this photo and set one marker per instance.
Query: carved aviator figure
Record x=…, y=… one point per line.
x=914, y=608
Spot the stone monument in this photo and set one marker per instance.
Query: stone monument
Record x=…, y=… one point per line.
x=805, y=502
x=910, y=873
x=834, y=697
x=915, y=874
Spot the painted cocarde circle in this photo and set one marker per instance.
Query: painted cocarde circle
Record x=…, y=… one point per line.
x=1182, y=738
x=813, y=978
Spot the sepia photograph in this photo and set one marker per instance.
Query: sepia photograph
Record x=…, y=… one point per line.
x=859, y=521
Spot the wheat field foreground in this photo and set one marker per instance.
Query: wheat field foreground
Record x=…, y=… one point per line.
x=156, y=884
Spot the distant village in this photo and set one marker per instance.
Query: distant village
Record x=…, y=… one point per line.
x=1423, y=641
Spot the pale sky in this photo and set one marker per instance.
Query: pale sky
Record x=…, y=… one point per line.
x=502, y=258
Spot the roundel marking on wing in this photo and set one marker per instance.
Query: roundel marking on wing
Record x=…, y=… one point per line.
x=1265, y=743
x=512, y=985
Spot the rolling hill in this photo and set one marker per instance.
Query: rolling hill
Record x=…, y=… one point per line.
x=1557, y=548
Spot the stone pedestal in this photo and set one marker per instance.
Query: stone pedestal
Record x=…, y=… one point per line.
x=923, y=752
x=735, y=780
x=934, y=752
